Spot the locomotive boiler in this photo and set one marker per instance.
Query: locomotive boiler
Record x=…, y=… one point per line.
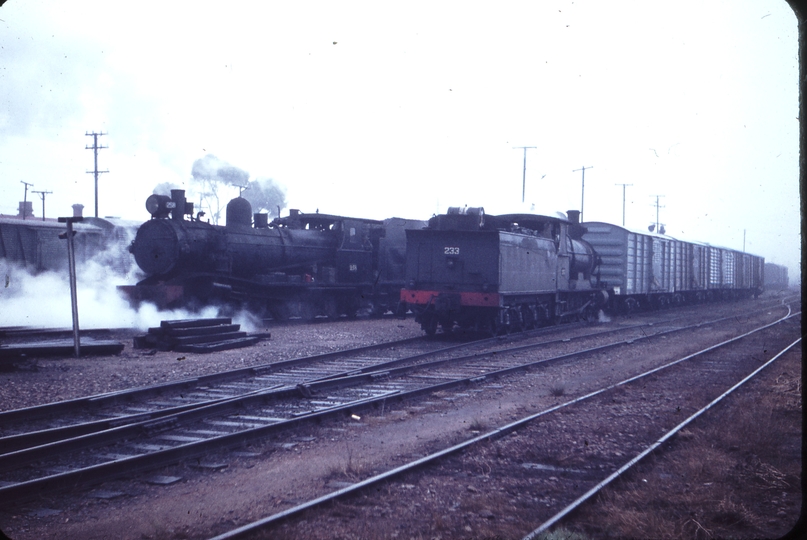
x=300, y=265
x=499, y=273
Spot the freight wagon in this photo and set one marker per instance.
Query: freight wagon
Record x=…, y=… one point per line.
x=776, y=278
x=35, y=244
x=643, y=269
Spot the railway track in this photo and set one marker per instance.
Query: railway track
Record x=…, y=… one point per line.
x=578, y=483
x=233, y=411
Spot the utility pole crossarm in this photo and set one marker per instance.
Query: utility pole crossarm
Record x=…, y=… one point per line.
x=657, y=211
x=25, y=198
x=42, y=196
x=524, y=171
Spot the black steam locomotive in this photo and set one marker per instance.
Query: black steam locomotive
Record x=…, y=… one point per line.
x=302, y=265
x=499, y=273
x=510, y=272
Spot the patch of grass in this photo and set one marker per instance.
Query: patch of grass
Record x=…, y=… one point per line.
x=562, y=534
x=733, y=473
x=477, y=425
x=349, y=469
x=557, y=390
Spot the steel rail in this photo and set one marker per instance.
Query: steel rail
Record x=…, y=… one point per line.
x=114, y=430
x=386, y=372
x=96, y=400
x=376, y=369
x=152, y=459
x=244, y=530
x=15, y=459
x=29, y=439
x=593, y=491
x=92, y=404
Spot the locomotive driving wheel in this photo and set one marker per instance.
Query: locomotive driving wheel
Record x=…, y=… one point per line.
x=330, y=308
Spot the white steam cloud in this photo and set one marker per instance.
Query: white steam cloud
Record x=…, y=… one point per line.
x=43, y=300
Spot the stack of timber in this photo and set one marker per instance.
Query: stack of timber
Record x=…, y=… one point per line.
x=59, y=347
x=196, y=335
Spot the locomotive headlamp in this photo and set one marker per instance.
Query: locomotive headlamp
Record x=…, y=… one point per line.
x=159, y=206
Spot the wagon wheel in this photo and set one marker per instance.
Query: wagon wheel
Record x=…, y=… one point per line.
x=279, y=311
x=400, y=310
x=330, y=308
x=590, y=314
x=501, y=324
x=528, y=317
x=631, y=305
x=488, y=326
x=350, y=307
x=307, y=311
x=513, y=322
x=429, y=325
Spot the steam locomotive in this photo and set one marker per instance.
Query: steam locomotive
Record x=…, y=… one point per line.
x=302, y=265
x=517, y=271
x=493, y=273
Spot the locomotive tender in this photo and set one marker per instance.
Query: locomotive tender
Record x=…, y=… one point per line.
x=499, y=273
x=516, y=271
x=301, y=265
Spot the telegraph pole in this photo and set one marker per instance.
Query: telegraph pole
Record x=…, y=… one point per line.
x=623, y=200
x=657, y=209
x=524, y=172
x=583, y=189
x=95, y=171
x=42, y=196
x=25, y=198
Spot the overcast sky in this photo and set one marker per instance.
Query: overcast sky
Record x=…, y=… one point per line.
x=378, y=109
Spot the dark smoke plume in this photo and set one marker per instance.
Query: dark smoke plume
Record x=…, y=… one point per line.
x=210, y=174
x=211, y=168
x=165, y=188
x=264, y=195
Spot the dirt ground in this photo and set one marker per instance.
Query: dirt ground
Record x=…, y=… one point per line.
x=710, y=467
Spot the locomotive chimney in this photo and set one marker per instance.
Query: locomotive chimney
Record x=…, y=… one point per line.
x=178, y=197
x=78, y=210
x=574, y=216
x=261, y=221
